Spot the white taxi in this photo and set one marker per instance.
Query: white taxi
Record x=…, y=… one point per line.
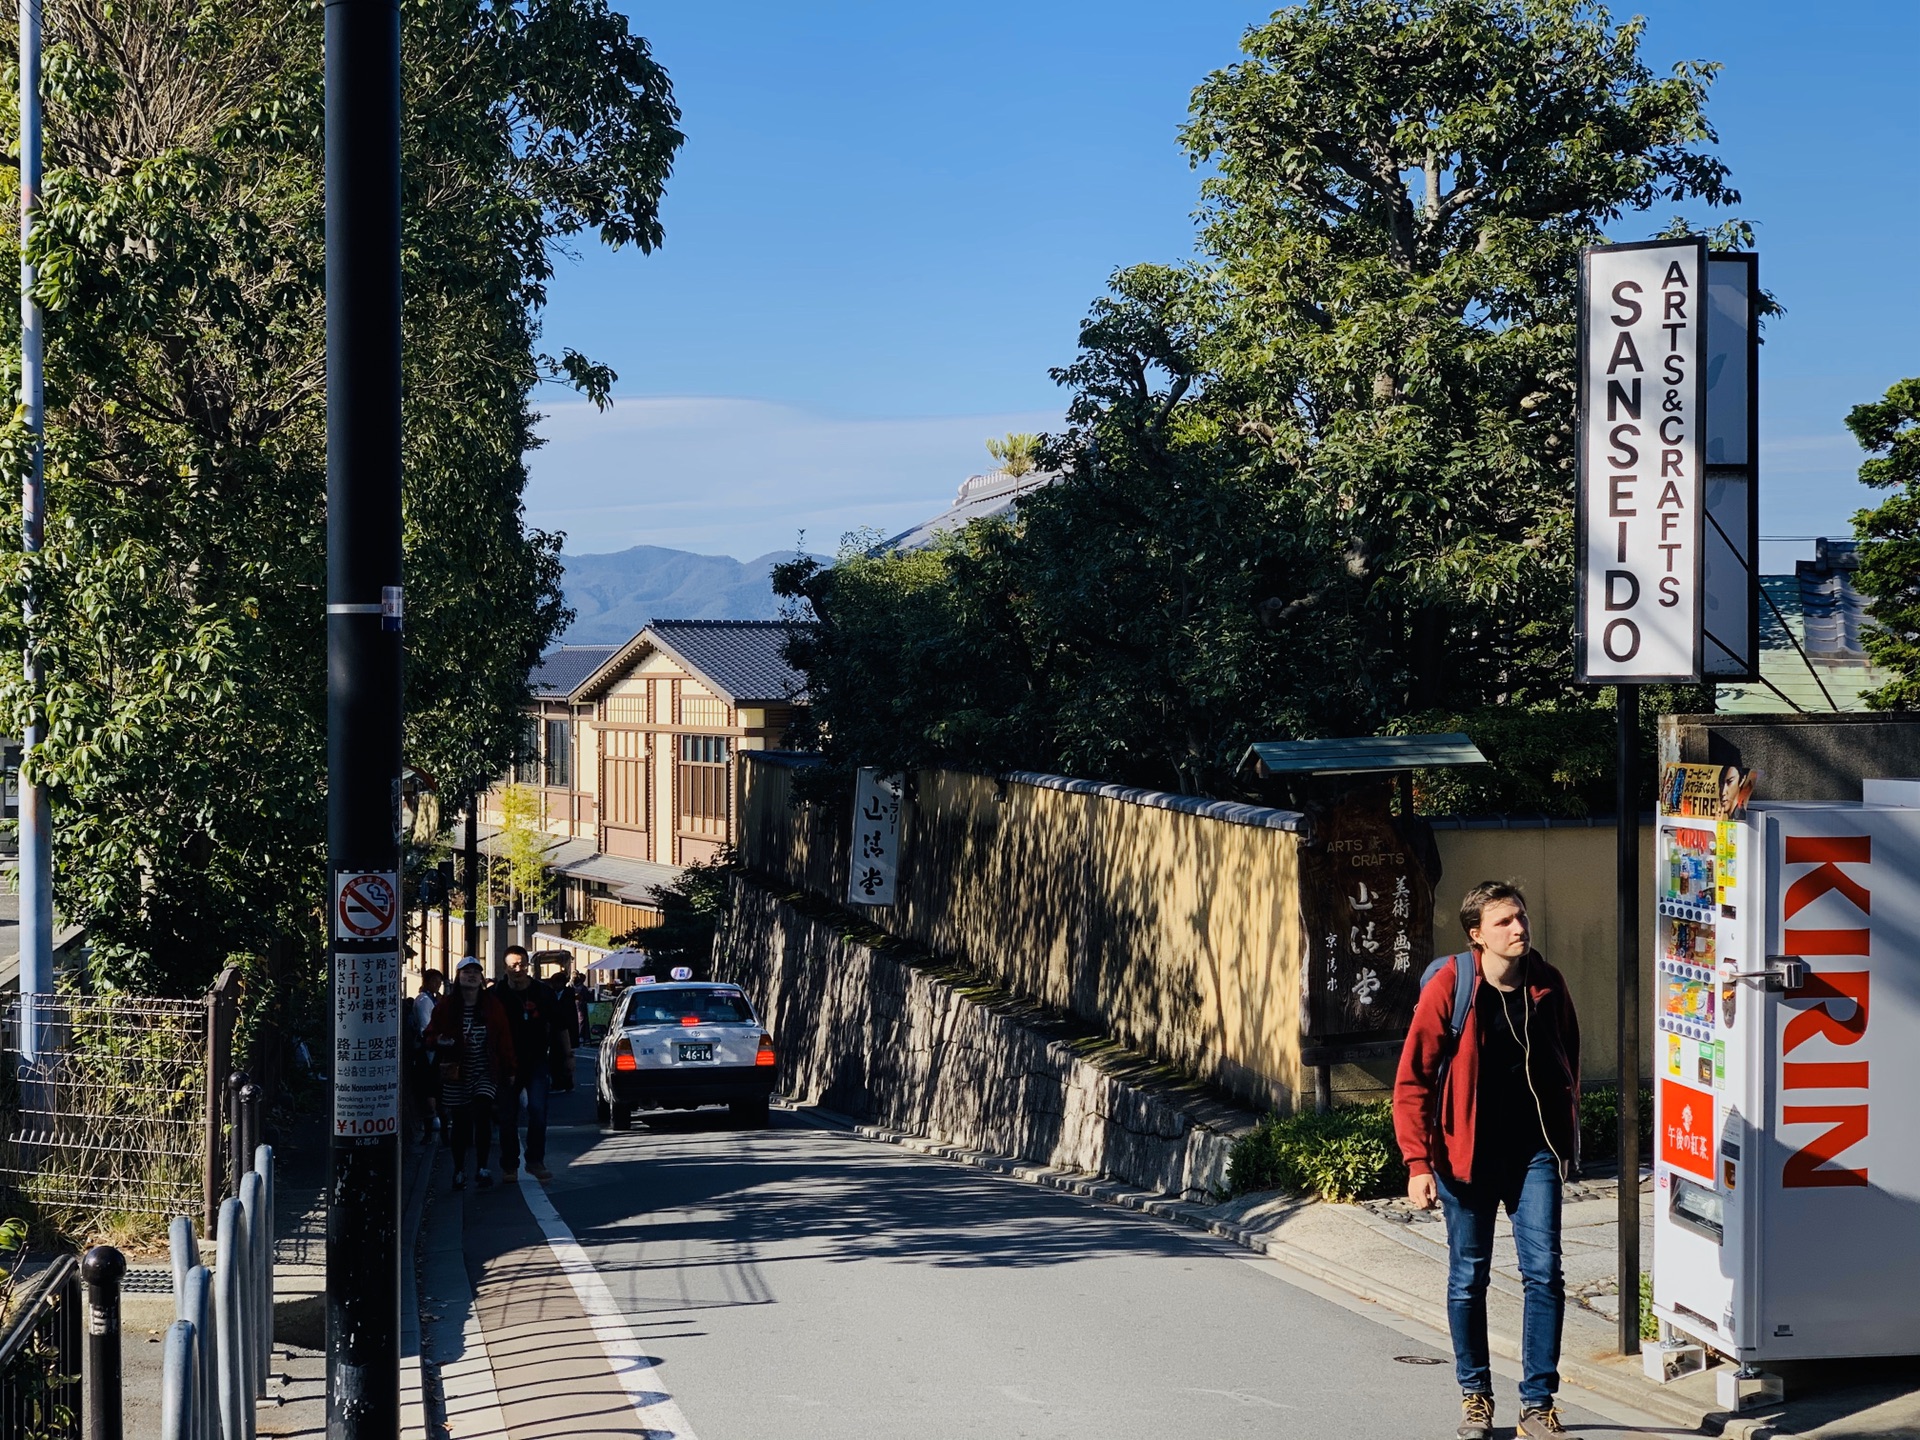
x=680, y=1044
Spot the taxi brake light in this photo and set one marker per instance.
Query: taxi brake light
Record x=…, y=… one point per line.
x=764, y=1056
x=689, y=1019
x=623, y=1055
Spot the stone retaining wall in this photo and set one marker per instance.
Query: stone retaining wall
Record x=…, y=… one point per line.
x=889, y=1036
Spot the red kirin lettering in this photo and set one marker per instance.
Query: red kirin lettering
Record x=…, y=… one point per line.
x=1814, y=1165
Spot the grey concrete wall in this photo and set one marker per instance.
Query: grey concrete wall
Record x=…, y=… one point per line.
x=887, y=1036
x=1799, y=757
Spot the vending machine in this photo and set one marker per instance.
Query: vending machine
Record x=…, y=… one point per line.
x=1787, y=1069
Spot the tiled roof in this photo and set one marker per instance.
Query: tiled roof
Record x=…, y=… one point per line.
x=744, y=660
x=1811, y=658
x=561, y=671
x=980, y=497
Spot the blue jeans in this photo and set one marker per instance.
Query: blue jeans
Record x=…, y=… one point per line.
x=1532, y=1198
x=535, y=1087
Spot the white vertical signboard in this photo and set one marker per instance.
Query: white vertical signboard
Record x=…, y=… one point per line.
x=1642, y=393
x=366, y=1030
x=874, y=857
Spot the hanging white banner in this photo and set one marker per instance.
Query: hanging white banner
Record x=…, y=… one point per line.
x=874, y=856
x=1642, y=394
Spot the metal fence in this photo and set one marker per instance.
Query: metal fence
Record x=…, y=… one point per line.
x=113, y=1120
x=218, y=1349
x=40, y=1357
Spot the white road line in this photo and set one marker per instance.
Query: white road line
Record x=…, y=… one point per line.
x=631, y=1365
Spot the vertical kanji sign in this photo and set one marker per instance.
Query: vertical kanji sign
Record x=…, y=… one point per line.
x=1642, y=405
x=873, y=860
x=366, y=1038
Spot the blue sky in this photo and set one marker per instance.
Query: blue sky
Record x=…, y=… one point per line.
x=888, y=220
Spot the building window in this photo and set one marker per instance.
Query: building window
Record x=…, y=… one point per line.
x=559, y=753
x=526, y=763
x=703, y=749
x=701, y=784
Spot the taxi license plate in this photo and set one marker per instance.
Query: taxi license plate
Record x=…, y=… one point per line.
x=696, y=1052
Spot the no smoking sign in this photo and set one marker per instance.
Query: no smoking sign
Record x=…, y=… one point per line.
x=366, y=905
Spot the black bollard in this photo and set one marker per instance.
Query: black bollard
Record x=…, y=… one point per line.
x=251, y=1096
x=102, y=1269
x=239, y=1158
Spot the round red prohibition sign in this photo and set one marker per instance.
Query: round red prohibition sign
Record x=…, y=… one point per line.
x=368, y=905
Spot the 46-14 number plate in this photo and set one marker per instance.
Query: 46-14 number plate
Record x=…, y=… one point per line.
x=696, y=1052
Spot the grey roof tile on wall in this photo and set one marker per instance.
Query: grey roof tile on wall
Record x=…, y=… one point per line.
x=744, y=659
x=560, y=671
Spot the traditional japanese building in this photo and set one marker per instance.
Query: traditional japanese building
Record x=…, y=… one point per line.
x=633, y=751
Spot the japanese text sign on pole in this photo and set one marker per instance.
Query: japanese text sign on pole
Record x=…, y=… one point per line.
x=873, y=859
x=366, y=1038
x=1642, y=394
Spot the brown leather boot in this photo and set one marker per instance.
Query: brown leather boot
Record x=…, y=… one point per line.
x=1476, y=1417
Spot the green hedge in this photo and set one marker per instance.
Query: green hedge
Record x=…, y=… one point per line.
x=1600, y=1122
x=1343, y=1155
x=1349, y=1154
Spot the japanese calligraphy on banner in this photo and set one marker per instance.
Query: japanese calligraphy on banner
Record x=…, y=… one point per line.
x=366, y=1039
x=874, y=856
x=1642, y=395
x=1367, y=907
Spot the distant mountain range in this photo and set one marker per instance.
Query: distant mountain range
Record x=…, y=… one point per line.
x=614, y=596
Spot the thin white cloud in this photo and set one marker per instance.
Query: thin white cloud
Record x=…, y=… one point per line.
x=744, y=477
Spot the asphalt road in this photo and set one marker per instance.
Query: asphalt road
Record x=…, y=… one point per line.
x=800, y=1282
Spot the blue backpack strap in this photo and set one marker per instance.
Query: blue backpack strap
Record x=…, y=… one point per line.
x=1465, y=973
x=1463, y=969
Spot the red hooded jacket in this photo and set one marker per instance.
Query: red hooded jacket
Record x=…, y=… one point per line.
x=443, y=1033
x=1434, y=1115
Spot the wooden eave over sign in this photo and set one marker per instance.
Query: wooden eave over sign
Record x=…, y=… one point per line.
x=1361, y=754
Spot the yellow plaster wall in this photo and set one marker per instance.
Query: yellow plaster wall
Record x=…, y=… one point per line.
x=1176, y=934
x=1567, y=874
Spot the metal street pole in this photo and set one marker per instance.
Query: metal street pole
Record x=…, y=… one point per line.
x=1627, y=1016
x=470, y=920
x=364, y=656
x=36, y=822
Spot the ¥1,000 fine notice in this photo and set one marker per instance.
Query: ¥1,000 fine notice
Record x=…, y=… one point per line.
x=366, y=1044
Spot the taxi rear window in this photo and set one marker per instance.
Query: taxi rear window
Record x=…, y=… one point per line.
x=666, y=1006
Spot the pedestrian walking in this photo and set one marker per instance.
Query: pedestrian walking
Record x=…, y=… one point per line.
x=1486, y=1108
x=426, y=1073
x=470, y=1037
x=567, y=1017
x=581, y=994
x=533, y=1017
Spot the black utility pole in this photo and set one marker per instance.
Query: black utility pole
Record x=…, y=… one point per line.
x=1627, y=739
x=470, y=927
x=364, y=616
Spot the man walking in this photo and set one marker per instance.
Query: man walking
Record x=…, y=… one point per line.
x=1488, y=1118
x=566, y=1018
x=426, y=1072
x=533, y=1020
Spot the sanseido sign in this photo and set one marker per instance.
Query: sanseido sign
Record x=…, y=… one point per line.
x=1642, y=429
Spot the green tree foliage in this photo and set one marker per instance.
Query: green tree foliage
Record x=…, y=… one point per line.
x=1889, y=574
x=1323, y=479
x=181, y=594
x=1016, y=453
x=691, y=909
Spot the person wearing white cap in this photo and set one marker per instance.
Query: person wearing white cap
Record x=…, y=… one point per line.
x=470, y=1037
